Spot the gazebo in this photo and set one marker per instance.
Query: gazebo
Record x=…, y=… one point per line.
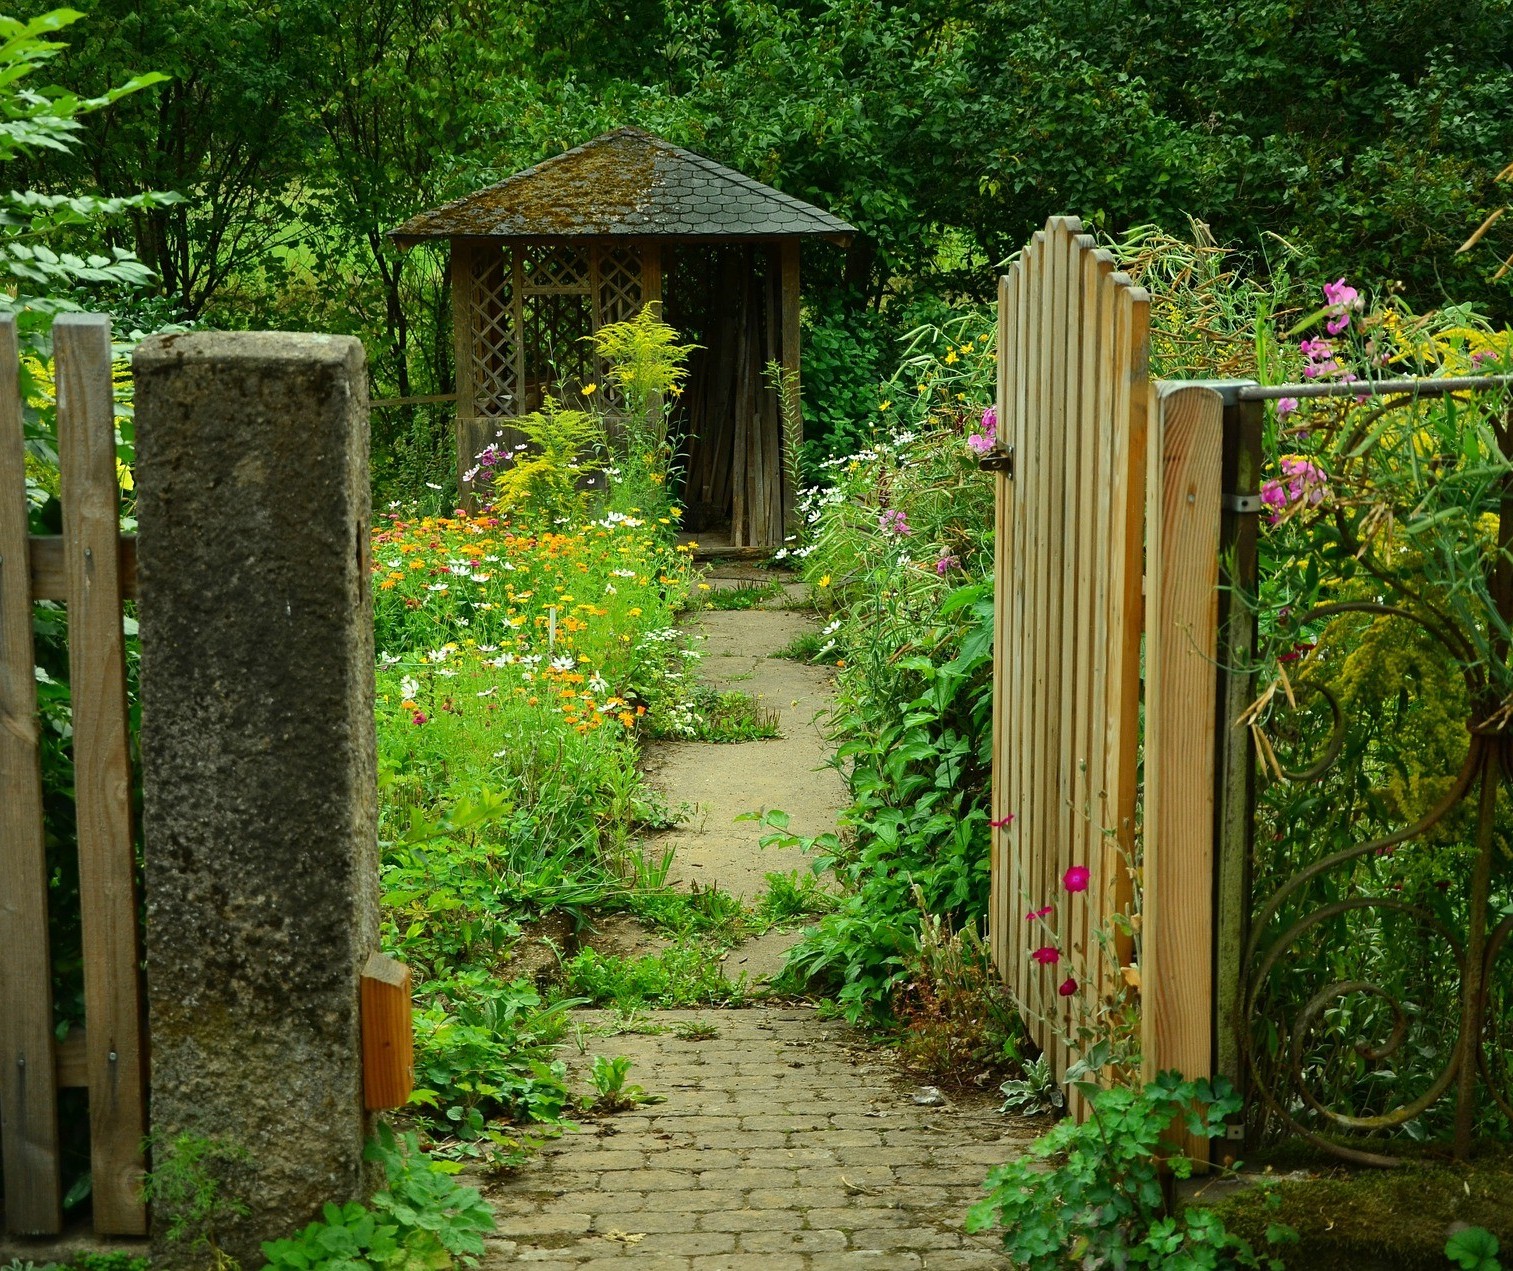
x=549, y=255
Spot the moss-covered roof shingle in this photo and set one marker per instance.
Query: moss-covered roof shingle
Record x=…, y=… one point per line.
x=626, y=182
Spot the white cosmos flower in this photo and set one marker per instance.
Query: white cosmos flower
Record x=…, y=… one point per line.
x=409, y=686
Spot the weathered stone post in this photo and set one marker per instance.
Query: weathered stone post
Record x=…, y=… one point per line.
x=258, y=765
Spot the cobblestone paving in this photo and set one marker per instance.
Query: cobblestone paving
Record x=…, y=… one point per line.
x=785, y=1144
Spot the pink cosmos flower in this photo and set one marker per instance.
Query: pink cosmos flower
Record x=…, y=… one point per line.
x=1076, y=878
x=1036, y=914
x=1047, y=955
x=1067, y=987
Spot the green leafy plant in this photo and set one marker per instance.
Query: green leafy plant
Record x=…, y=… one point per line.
x=1091, y=1193
x=745, y=596
x=1474, y=1249
x=544, y=487
x=688, y=974
x=421, y=1219
x=611, y=1093
x=792, y=896
x=187, y=1188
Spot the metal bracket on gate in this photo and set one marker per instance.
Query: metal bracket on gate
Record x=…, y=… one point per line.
x=1241, y=503
x=999, y=460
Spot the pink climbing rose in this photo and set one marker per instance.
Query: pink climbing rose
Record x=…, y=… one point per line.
x=1047, y=955
x=1076, y=878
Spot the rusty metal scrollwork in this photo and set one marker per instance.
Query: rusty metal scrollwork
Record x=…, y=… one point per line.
x=1442, y=1031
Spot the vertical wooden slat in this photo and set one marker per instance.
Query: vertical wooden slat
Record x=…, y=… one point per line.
x=28, y=1081
x=1084, y=838
x=1181, y=647
x=1098, y=268
x=1001, y=904
x=651, y=274
x=102, y=772
x=1037, y=603
x=464, y=317
x=516, y=266
x=1072, y=645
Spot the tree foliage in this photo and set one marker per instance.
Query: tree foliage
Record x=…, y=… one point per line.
x=945, y=131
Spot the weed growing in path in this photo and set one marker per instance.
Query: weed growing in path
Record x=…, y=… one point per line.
x=688, y=974
x=715, y=716
x=792, y=896
x=745, y=596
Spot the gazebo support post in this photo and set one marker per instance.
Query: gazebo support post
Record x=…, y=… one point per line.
x=790, y=340
x=463, y=303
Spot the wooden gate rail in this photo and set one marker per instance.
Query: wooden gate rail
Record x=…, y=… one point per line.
x=91, y=568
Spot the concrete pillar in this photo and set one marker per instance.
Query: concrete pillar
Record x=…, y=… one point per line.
x=258, y=765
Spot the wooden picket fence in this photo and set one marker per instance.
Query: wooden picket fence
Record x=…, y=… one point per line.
x=1107, y=545
x=90, y=568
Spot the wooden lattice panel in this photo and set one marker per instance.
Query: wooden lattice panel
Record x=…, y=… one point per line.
x=1072, y=354
x=555, y=351
x=550, y=268
x=496, y=384
x=619, y=285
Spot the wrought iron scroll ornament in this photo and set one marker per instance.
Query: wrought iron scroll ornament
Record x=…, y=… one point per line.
x=1282, y=1032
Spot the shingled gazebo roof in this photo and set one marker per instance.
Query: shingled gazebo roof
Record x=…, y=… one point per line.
x=625, y=183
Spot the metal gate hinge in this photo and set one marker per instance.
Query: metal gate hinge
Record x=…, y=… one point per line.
x=1242, y=503
x=998, y=460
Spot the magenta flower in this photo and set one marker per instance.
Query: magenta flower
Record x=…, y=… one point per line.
x=1339, y=293
x=1047, y=955
x=946, y=564
x=1316, y=350
x=419, y=718
x=1285, y=406
x=1076, y=878
x=1001, y=821
x=982, y=442
x=892, y=521
x=1067, y=987
x=1337, y=323
x=1036, y=914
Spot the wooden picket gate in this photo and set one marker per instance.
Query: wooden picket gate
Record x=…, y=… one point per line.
x=91, y=569
x=1081, y=533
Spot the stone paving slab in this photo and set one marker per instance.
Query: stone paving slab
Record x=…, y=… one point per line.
x=785, y=1143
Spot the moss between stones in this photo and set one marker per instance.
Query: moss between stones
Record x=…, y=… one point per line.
x=1378, y=1220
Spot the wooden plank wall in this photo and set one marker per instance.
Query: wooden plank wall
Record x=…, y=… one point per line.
x=1073, y=366
x=97, y=574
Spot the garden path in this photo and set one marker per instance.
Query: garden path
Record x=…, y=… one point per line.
x=785, y=1142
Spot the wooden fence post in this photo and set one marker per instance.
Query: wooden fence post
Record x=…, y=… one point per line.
x=113, y=1009
x=1234, y=828
x=1182, y=614
x=28, y=1082
x=258, y=752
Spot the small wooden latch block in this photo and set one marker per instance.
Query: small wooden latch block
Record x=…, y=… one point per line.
x=388, y=1041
